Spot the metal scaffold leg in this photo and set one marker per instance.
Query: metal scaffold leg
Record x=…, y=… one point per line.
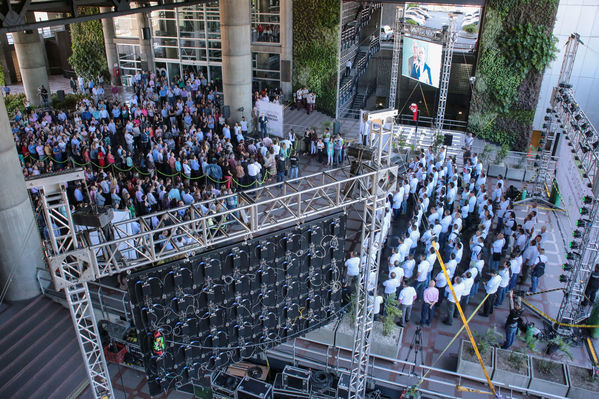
x=445, y=75
x=88, y=337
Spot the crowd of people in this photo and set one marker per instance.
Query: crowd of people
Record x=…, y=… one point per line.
x=458, y=217
x=162, y=145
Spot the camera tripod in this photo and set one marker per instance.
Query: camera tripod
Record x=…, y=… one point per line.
x=415, y=345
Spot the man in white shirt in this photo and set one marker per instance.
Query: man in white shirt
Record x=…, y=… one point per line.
x=537, y=270
x=451, y=265
x=395, y=257
x=375, y=304
x=403, y=249
x=458, y=288
x=515, y=268
x=504, y=273
x=421, y=276
x=408, y=266
x=496, y=249
x=529, y=257
x=441, y=284
x=414, y=236
x=391, y=284
x=253, y=173
x=491, y=289
x=397, y=270
x=397, y=201
x=353, y=268
x=406, y=299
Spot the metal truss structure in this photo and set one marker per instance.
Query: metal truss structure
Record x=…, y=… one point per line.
x=13, y=12
x=542, y=161
x=584, y=141
x=77, y=255
x=569, y=58
x=382, y=124
x=450, y=39
x=395, y=61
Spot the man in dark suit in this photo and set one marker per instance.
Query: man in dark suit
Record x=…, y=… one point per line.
x=263, y=121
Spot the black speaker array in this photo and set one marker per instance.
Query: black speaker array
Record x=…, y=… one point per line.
x=219, y=307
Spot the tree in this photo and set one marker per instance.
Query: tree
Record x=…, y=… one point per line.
x=89, y=57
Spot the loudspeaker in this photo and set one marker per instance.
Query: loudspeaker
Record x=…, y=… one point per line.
x=226, y=111
x=60, y=95
x=145, y=32
x=285, y=71
x=448, y=139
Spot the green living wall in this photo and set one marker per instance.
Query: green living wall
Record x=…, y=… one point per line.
x=316, y=50
x=516, y=45
x=87, y=38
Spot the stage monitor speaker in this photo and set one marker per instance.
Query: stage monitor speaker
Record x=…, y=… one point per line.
x=60, y=95
x=296, y=378
x=448, y=139
x=227, y=112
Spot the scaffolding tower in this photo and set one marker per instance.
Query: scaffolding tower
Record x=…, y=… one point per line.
x=584, y=249
x=382, y=124
x=450, y=39
x=395, y=60
x=543, y=179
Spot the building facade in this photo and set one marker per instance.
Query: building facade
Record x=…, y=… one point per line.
x=188, y=39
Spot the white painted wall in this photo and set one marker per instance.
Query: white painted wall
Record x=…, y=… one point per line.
x=582, y=17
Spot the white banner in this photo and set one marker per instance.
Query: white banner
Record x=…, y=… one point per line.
x=274, y=113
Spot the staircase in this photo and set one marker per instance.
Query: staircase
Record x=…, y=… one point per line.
x=39, y=354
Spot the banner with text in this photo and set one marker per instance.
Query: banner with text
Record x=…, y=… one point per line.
x=274, y=113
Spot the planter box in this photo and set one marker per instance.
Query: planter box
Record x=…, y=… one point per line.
x=508, y=376
x=529, y=174
x=580, y=386
x=542, y=384
x=471, y=367
x=386, y=346
x=515, y=174
x=496, y=170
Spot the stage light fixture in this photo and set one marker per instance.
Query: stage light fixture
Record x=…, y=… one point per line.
x=572, y=255
x=584, y=126
x=574, y=245
x=547, y=117
x=576, y=158
x=582, y=222
x=563, y=278
x=587, y=199
x=576, y=234
x=580, y=167
x=584, y=210
x=548, y=110
x=584, y=149
x=567, y=267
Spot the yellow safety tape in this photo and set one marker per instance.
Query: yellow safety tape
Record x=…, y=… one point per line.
x=555, y=321
x=592, y=350
x=543, y=292
x=457, y=304
x=466, y=389
x=453, y=339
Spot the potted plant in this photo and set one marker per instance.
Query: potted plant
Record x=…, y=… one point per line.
x=512, y=368
x=497, y=166
x=468, y=363
x=387, y=343
x=584, y=382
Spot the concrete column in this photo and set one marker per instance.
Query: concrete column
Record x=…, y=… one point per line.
x=32, y=63
x=237, y=57
x=147, y=57
x=109, y=44
x=287, y=47
x=20, y=244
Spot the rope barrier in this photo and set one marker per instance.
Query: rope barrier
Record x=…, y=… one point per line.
x=141, y=172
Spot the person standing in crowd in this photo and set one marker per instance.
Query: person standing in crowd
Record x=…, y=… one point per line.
x=430, y=299
x=263, y=121
x=512, y=322
x=491, y=288
x=406, y=299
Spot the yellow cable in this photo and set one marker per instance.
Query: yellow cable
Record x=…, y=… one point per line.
x=457, y=304
x=557, y=322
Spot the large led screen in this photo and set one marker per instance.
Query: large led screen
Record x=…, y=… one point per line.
x=421, y=61
x=197, y=315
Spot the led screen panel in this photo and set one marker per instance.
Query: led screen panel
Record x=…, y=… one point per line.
x=421, y=61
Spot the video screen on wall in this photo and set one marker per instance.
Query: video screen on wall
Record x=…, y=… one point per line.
x=421, y=61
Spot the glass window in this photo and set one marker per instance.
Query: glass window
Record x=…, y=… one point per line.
x=266, y=21
x=266, y=61
x=126, y=26
x=129, y=56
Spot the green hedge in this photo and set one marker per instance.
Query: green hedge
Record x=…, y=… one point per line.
x=316, y=50
x=516, y=44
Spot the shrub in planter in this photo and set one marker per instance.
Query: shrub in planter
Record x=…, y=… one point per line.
x=468, y=363
x=512, y=367
x=548, y=376
x=583, y=383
